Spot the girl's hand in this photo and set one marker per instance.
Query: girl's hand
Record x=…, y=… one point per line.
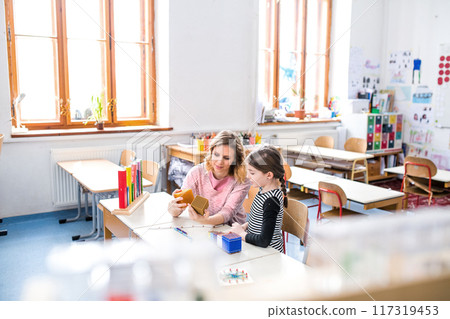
x=245, y=226
x=202, y=219
x=239, y=230
x=175, y=207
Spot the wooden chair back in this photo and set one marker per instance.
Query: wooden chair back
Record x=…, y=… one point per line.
x=358, y=145
x=150, y=171
x=287, y=171
x=247, y=204
x=1, y=142
x=127, y=157
x=329, y=198
x=418, y=167
x=324, y=141
x=295, y=220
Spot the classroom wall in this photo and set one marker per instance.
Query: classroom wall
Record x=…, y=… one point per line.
x=207, y=68
x=420, y=26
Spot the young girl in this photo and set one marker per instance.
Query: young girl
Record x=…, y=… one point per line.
x=265, y=170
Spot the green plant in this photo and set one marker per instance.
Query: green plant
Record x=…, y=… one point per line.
x=96, y=108
x=301, y=100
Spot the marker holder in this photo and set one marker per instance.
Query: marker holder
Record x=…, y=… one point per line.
x=133, y=206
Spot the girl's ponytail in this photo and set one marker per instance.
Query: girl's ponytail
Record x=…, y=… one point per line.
x=283, y=189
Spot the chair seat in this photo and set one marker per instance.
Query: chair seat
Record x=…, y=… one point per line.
x=419, y=191
x=423, y=184
x=297, y=194
x=334, y=213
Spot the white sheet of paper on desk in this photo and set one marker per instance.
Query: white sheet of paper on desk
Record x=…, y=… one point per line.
x=185, y=145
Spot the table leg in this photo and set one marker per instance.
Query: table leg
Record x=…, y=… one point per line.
x=106, y=231
x=64, y=220
x=94, y=226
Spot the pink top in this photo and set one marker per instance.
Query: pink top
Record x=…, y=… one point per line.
x=225, y=196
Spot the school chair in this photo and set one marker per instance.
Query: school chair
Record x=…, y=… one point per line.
x=334, y=196
x=294, y=193
x=3, y=232
x=247, y=204
x=151, y=172
x=324, y=141
x=358, y=145
x=127, y=157
x=295, y=222
x=417, y=180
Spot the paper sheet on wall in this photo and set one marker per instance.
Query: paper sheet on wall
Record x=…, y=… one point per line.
x=400, y=67
x=355, y=72
x=442, y=91
x=402, y=93
x=422, y=136
x=421, y=115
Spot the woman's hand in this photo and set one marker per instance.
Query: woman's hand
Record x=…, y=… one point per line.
x=202, y=219
x=239, y=229
x=175, y=206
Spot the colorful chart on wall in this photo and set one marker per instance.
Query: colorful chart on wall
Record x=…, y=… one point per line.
x=442, y=99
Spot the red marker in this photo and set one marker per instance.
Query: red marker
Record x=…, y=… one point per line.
x=441, y=72
x=447, y=65
x=441, y=65
x=440, y=81
x=447, y=79
x=442, y=58
x=448, y=57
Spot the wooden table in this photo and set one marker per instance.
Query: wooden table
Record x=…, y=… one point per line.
x=329, y=157
x=369, y=196
x=97, y=176
x=442, y=176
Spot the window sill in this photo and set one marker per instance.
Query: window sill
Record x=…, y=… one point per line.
x=310, y=121
x=88, y=131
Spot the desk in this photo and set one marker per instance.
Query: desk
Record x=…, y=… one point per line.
x=442, y=176
x=190, y=154
x=369, y=196
x=97, y=176
x=331, y=157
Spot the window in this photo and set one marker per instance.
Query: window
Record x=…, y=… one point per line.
x=294, y=39
x=63, y=52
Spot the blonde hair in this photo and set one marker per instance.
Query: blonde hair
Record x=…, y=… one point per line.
x=237, y=168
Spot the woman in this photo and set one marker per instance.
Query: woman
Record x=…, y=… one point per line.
x=221, y=179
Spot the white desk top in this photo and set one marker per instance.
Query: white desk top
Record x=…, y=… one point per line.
x=152, y=212
x=301, y=176
x=98, y=176
x=275, y=277
x=441, y=175
x=360, y=192
x=327, y=152
x=154, y=236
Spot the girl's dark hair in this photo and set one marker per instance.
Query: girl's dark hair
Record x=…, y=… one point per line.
x=268, y=159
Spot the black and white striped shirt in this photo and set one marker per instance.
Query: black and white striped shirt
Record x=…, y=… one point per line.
x=265, y=220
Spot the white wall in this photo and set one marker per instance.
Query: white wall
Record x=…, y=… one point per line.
x=206, y=67
x=420, y=26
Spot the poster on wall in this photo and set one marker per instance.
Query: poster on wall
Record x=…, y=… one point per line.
x=421, y=115
x=364, y=73
x=442, y=96
x=419, y=135
x=400, y=67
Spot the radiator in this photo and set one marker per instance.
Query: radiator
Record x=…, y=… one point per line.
x=64, y=186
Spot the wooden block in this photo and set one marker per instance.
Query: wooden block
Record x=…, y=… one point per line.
x=187, y=195
x=199, y=204
x=133, y=206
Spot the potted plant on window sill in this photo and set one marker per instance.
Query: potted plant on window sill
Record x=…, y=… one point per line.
x=300, y=101
x=97, y=112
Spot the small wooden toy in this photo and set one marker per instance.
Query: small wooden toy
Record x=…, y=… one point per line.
x=199, y=204
x=187, y=195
